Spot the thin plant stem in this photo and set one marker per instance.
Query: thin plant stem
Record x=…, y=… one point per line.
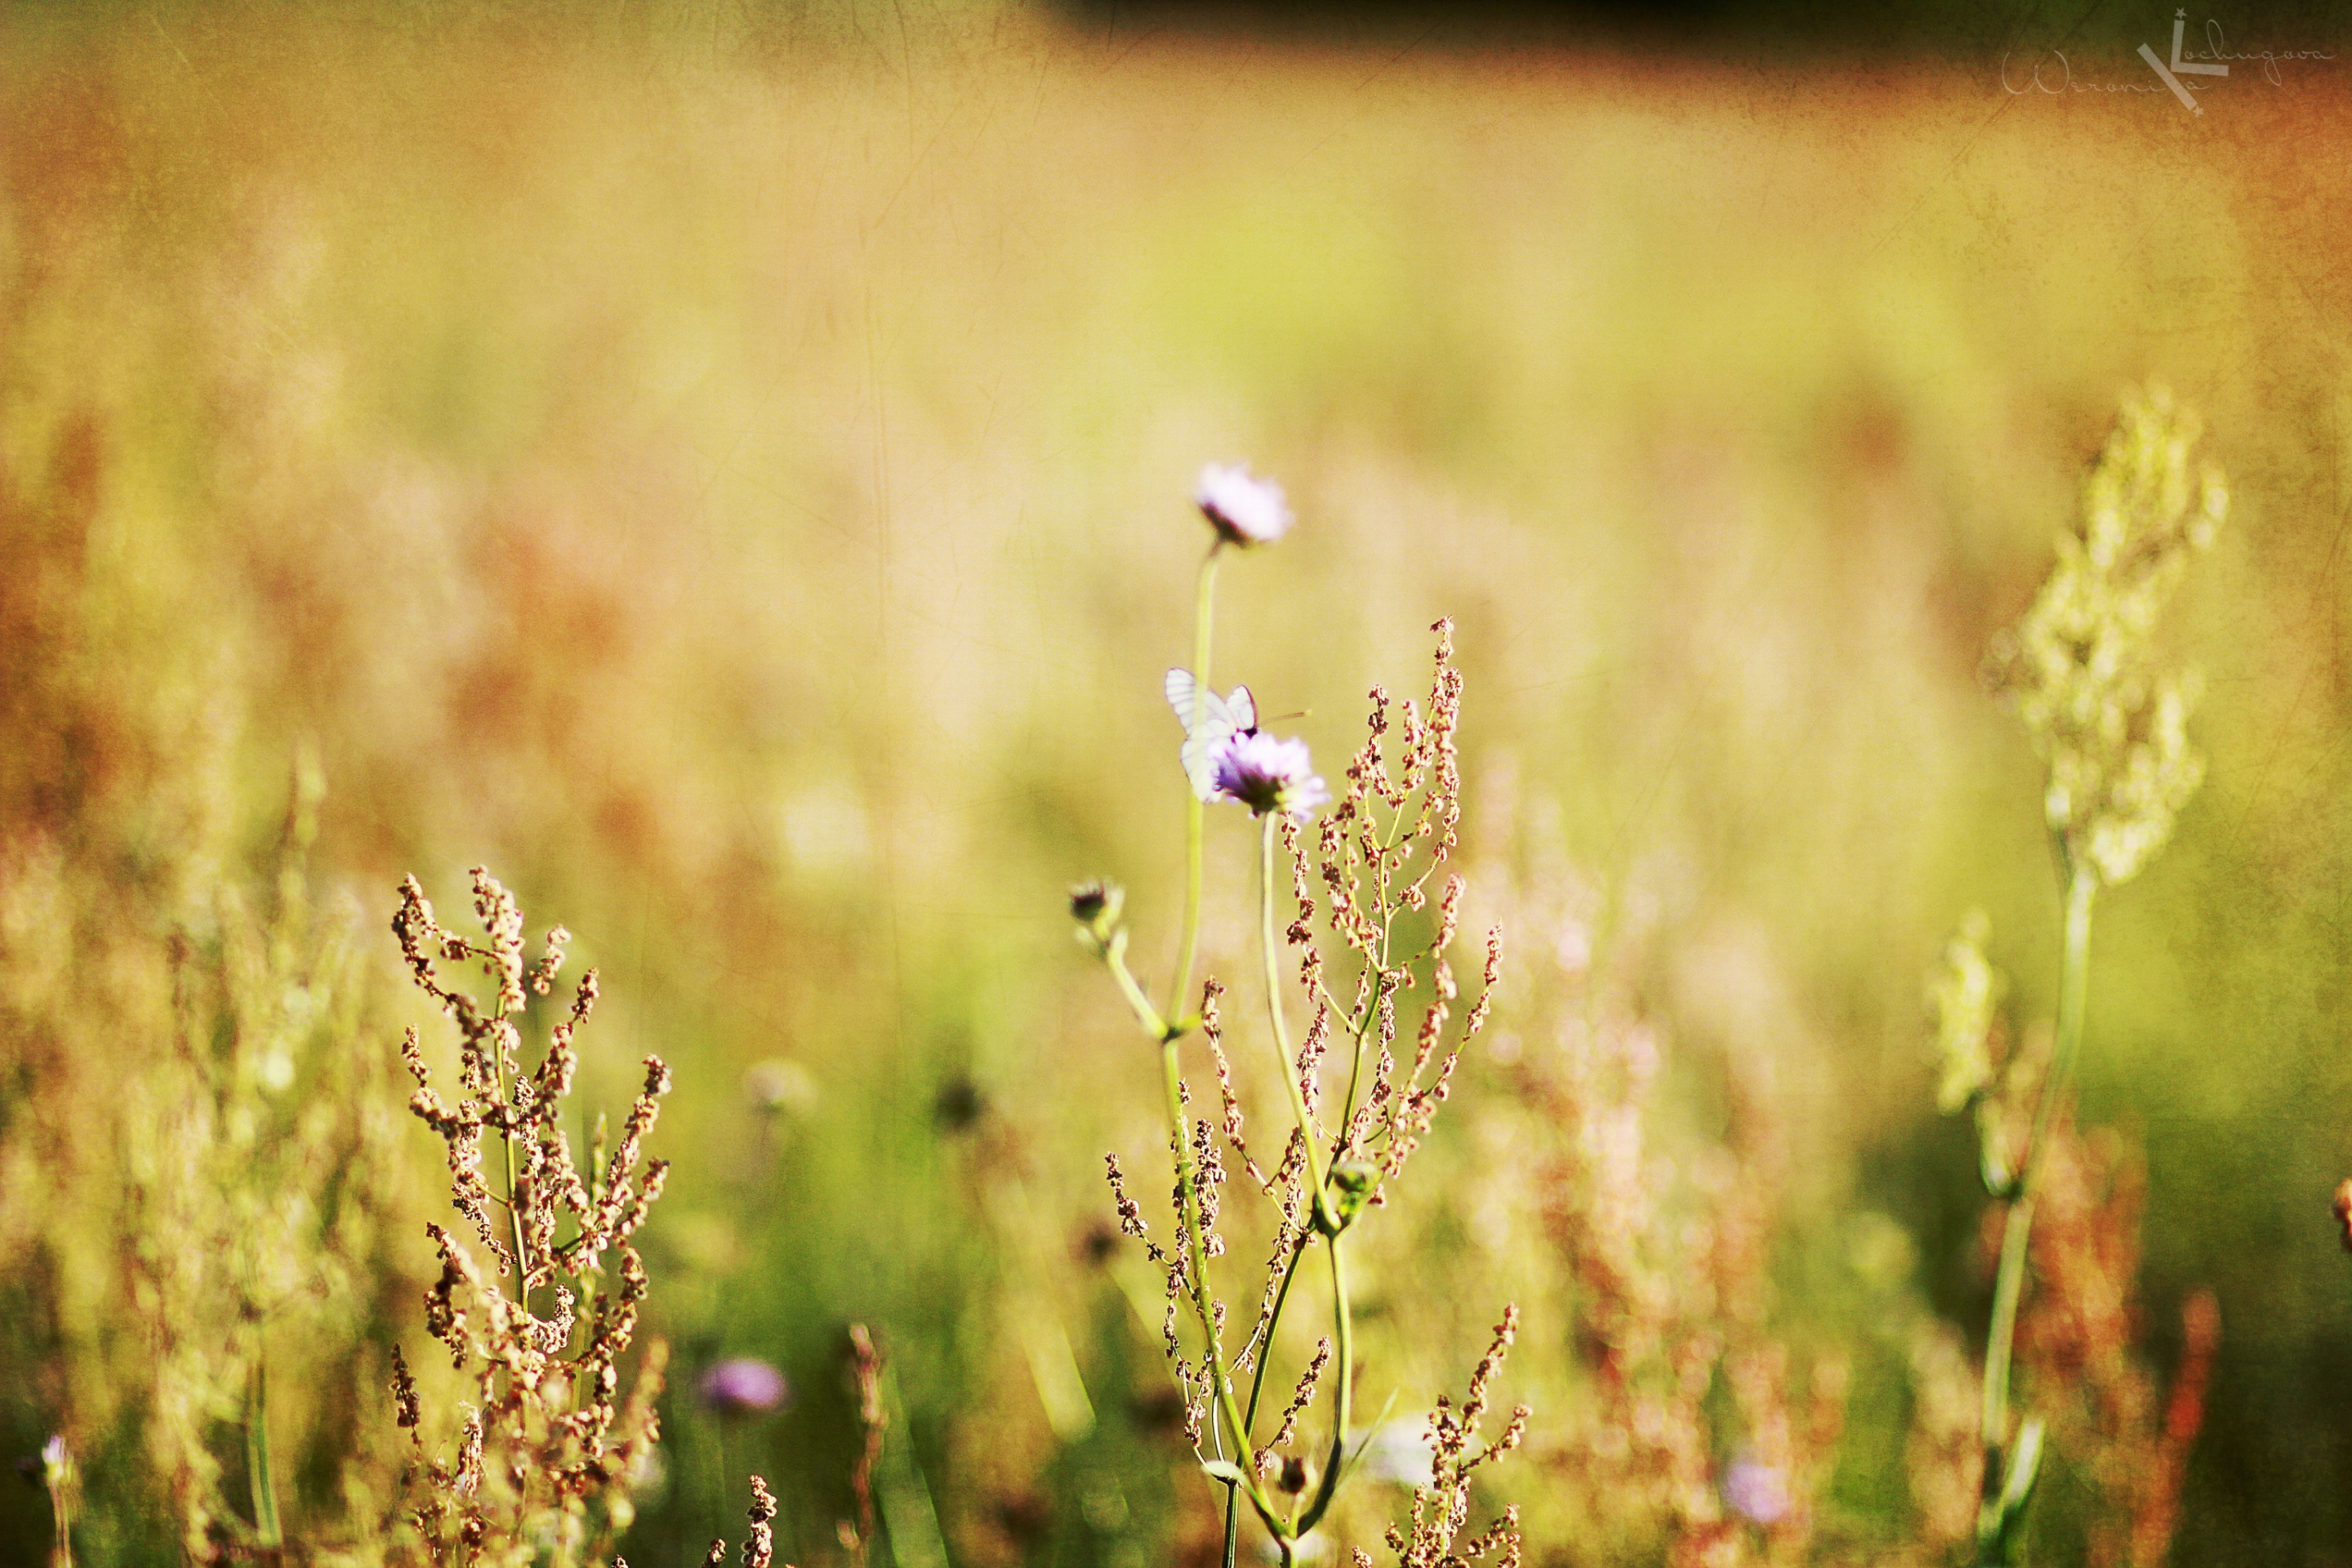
x=505, y=1147
x=61, y=1510
x=1360, y=1028
x=1145, y=1013
x=1314, y=1167
x=1204, y=609
x=1342, y=1320
x=1257, y=1381
x=259, y=1473
x=1343, y=1323
x=2073, y=990
x=1221, y=1385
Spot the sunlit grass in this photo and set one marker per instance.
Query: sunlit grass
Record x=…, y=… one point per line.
x=732, y=480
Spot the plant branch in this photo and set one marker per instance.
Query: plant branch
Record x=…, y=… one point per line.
x=1203, y=624
x=2074, y=989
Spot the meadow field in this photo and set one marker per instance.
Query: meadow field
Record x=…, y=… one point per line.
x=730, y=472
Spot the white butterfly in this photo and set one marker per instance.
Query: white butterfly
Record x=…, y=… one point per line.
x=1209, y=721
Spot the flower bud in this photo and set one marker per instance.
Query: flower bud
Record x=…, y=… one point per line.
x=1095, y=905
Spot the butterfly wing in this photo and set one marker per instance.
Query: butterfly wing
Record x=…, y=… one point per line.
x=1208, y=721
x=1180, y=689
x=1242, y=708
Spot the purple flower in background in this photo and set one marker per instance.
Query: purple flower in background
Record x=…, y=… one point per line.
x=1245, y=511
x=1267, y=775
x=743, y=1388
x=1757, y=1492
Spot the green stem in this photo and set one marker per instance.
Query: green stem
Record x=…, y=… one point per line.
x=1115, y=957
x=1220, y=1384
x=2073, y=991
x=62, y=1508
x=1314, y=1169
x=258, y=1471
x=1205, y=605
x=1344, y=1325
x=1342, y=1320
x=1257, y=1381
x=1362, y=1028
x=506, y=1149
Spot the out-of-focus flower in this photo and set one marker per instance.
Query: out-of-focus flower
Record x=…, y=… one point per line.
x=1243, y=509
x=744, y=1386
x=959, y=1103
x=1267, y=775
x=1758, y=1492
x=1397, y=1451
x=779, y=1085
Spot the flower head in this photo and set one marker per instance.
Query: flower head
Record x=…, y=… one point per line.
x=743, y=1386
x=1244, y=509
x=1096, y=903
x=1267, y=775
x=1756, y=1491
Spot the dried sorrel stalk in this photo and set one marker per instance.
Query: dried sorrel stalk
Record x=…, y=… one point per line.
x=547, y=1449
x=1441, y=1508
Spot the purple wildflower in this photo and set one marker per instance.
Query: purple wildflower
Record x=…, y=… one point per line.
x=1267, y=775
x=1757, y=1492
x=743, y=1386
x=1244, y=509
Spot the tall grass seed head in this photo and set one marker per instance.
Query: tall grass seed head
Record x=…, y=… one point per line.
x=1243, y=509
x=1963, y=993
x=2081, y=665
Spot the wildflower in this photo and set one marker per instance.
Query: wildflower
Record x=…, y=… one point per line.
x=1244, y=509
x=2342, y=1207
x=1756, y=1491
x=743, y=1386
x=1267, y=775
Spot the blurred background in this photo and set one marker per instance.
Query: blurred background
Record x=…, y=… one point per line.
x=727, y=470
